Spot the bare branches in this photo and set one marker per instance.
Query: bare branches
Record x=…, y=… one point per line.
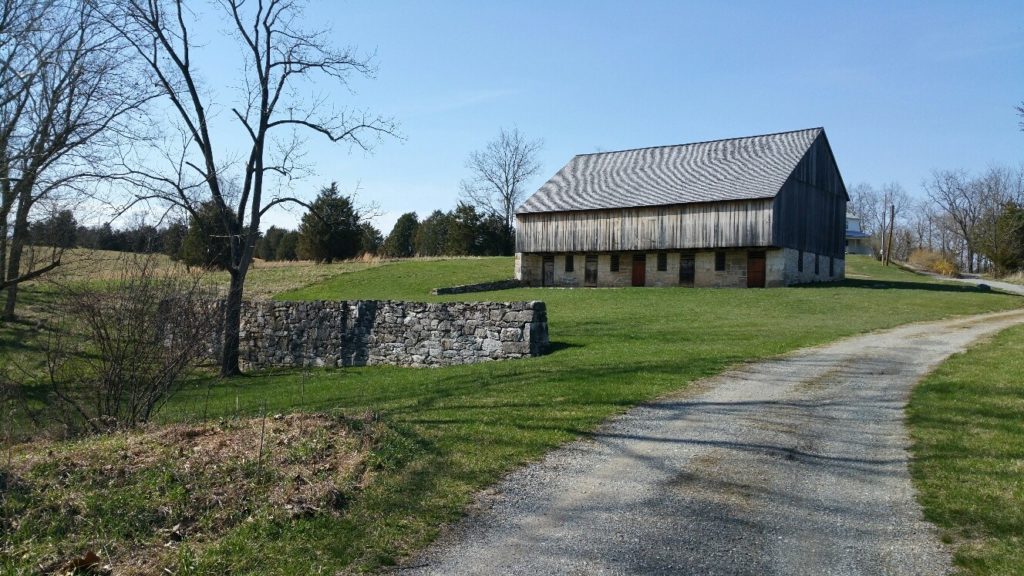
x=123, y=350
x=276, y=56
x=67, y=94
x=972, y=208
x=499, y=173
x=30, y=275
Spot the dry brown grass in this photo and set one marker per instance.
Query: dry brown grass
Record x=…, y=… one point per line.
x=179, y=485
x=264, y=279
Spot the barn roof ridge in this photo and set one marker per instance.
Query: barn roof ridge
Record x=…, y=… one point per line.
x=639, y=148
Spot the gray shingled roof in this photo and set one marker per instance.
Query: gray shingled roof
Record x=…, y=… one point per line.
x=734, y=169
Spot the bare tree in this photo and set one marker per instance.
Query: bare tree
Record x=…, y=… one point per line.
x=924, y=225
x=963, y=201
x=997, y=233
x=277, y=58
x=67, y=93
x=864, y=203
x=874, y=207
x=498, y=174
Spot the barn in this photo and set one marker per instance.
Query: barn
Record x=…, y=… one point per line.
x=759, y=211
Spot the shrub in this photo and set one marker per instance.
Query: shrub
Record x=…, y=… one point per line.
x=121, y=350
x=933, y=262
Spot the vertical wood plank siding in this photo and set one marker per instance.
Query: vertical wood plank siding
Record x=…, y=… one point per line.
x=707, y=225
x=810, y=209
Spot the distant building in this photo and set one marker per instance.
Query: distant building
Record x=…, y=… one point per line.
x=745, y=212
x=857, y=241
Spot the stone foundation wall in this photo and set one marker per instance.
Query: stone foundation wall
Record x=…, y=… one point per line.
x=369, y=332
x=483, y=287
x=793, y=274
x=781, y=269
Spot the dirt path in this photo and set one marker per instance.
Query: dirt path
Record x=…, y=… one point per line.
x=976, y=281
x=792, y=466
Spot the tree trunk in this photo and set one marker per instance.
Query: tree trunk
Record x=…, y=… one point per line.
x=232, y=325
x=3, y=247
x=18, y=241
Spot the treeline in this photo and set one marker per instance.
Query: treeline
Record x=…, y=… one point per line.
x=964, y=222
x=332, y=229
x=460, y=232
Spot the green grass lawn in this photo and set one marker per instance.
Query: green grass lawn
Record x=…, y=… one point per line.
x=967, y=425
x=453, y=431
x=408, y=280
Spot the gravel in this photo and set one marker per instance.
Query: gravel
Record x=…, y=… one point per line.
x=796, y=465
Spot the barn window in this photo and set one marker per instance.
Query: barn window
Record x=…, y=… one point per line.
x=800, y=261
x=662, y=261
x=568, y=263
x=615, y=263
x=816, y=260
x=719, y=261
x=590, y=271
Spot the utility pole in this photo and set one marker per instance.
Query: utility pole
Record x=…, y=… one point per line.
x=888, y=246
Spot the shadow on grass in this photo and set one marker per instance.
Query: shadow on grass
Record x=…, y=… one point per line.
x=554, y=347
x=897, y=285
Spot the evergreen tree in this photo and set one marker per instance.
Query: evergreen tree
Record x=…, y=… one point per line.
x=432, y=234
x=267, y=247
x=286, y=249
x=108, y=239
x=173, y=238
x=58, y=230
x=372, y=239
x=463, y=230
x=207, y=243
x=330, y=230
x=401, y=242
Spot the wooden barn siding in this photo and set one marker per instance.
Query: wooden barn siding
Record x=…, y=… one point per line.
x=810, y=210
x=711, y=225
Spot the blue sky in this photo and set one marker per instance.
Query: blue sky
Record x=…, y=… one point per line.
x=901, y=88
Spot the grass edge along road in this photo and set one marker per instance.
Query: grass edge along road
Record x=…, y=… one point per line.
x=966, y=421
x=444, y=434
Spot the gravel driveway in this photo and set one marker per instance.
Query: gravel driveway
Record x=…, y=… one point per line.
x=791, y=466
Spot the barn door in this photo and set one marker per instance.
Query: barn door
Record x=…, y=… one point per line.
x=639, y=269
x=686, y=269
x=590, y=271
x=755, y=269
x=549, y=271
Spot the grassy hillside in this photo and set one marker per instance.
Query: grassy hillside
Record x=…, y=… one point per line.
x=967, y=423
x=453, y=431
x=408, y=280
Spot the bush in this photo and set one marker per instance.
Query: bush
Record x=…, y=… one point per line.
x=933, y=262
x=121, y=350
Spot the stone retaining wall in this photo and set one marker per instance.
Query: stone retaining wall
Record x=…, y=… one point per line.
x=368, y=332
x=483, y=287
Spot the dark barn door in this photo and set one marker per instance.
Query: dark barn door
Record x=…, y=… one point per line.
x=590, y=271
x=639, y=269
x=686, y=269
x=755, y=269
x=549, y=271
